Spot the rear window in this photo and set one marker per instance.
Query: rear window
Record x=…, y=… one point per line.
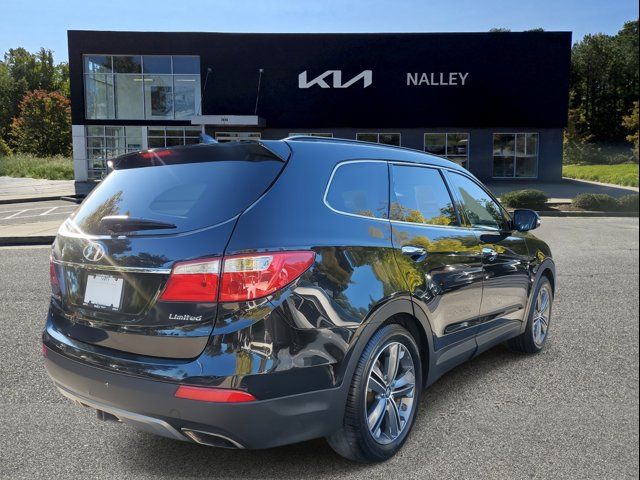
x=360, y=188
x=188, y=195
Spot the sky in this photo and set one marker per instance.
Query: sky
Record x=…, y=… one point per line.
x=43, y=23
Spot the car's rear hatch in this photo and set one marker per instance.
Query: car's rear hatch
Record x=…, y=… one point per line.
x=113, y=257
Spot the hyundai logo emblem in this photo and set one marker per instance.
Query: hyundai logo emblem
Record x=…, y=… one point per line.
x=93, y=252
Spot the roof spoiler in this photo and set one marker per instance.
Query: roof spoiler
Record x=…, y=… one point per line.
x=231, y=151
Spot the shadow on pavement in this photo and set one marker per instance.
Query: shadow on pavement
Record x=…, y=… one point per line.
x=146, y=454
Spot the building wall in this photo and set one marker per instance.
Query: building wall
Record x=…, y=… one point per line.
x=480, y=146
x=482, y=83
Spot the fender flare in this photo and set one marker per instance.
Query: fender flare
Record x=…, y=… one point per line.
x=395, y=306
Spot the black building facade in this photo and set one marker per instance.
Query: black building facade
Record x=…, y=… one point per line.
x=493, y=102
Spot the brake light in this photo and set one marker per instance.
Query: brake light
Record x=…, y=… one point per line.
x=243, y=277
x=194, y=281
x=254, y=276
x=155, y=153
x=220, y=395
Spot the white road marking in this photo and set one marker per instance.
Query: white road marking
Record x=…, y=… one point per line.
x=23, y=247
x=15, y=214
x=37, y=215
x=48, y=211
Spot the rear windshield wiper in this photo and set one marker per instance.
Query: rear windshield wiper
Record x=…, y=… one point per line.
x=125, y=223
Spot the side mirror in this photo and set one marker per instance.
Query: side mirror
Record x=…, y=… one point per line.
x=525, y=220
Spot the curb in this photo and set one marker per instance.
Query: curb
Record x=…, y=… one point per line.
x=587, y=214
x=30, y=240
x=601, y=184
x=28, y=200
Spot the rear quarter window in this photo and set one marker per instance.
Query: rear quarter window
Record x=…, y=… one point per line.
x=360, y=188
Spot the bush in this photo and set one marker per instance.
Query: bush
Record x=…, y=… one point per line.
x=43, y=125
x=578, y=153
x=529, y=198
x=629, y=203
x=599, y=202
x=5, y=151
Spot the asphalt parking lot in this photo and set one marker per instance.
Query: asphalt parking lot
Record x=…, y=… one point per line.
x=570, y=412
x=16, y=213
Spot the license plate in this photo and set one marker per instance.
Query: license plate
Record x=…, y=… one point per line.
x=103, y=291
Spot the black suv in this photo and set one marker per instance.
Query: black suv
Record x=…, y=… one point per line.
x=250, y=295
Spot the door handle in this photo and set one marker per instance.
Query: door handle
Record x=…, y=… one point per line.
x=489, y=254
x=413, y=252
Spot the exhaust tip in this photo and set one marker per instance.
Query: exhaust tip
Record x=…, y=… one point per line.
x=106, y=416
x=211, y=439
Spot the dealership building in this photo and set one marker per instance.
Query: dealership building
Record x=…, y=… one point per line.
x=495, y=103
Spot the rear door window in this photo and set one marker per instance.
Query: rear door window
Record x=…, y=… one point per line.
x=419, y=195
x=360, y=188
x=187, y=195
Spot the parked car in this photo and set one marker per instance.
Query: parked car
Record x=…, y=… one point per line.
x=256, y=294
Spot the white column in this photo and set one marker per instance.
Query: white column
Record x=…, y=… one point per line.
x=80, y=167
x=144, y=144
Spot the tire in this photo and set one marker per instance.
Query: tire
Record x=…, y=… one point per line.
x=530, y=340
x=368, y=397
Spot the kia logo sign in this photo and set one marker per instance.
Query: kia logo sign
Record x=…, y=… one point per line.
x=336, y=79
x=93, y=252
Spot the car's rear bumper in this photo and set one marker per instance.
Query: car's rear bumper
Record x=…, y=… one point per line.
x=151, y=405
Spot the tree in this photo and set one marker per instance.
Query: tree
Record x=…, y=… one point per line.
x=631, y=123
x=43, y=126
x=604, y=81
x=21, y=72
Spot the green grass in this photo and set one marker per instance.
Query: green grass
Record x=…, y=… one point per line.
x=52, y=168
x=623, y=174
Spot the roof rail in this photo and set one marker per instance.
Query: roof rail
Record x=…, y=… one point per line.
x=306, y=138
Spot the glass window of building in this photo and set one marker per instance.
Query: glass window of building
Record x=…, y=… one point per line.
x=98, y=91
x=186, y=92
x=237, y=136
x=134, y=87
x=105, y=142
x=129, y=96
x=515, y=155
x=185, y=64
x=384, y=138
x=453, y=146
x=324, y=135
x=158, y=137
x=127, y=64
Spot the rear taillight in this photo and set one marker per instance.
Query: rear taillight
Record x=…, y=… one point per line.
x=254, y=276
x=220, y=395
x=53, y=277
x=243, y=277
x=195, y=281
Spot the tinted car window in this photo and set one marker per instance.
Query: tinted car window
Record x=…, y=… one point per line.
x=478, y=206
x=360, y=188
x=420, y=196
x=189, y=195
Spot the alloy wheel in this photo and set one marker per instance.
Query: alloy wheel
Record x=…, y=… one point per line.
x=390, y=393
x=541, y=316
